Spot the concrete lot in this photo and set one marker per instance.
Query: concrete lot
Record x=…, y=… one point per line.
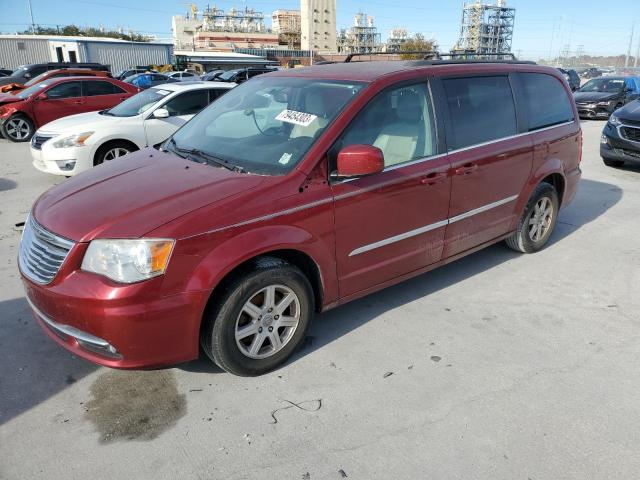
x=498, y=366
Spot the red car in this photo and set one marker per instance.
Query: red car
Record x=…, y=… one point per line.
x=22, y=113
x=294, y=193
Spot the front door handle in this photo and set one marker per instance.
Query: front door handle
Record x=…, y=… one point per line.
x=466, y=169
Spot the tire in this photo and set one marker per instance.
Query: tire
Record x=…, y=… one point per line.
x=112, y=150
x=545, y=201
x=613, y=163
x=243, y=308
x=18, y=128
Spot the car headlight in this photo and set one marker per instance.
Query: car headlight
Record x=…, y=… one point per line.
x=606, y=104
x=76, y=140
x=615, y=121
x=128, y=261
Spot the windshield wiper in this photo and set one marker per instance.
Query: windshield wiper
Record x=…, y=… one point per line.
x=199, y=156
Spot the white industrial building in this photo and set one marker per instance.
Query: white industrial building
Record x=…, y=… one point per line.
x=318, y=25
x=16, y=50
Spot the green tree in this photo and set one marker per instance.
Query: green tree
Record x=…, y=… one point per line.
x=417, y=43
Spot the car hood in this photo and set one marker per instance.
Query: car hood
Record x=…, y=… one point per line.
x=84, y=122
x=132, y=196
x=594, y=96
x=8, y=98
x=631, y=111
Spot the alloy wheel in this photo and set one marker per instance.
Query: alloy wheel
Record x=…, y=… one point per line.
x=115, y=153
x=267, y=321
x=17, y=128
x=541, y=219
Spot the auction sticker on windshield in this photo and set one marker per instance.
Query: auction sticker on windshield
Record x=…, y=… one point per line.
x=297, y=118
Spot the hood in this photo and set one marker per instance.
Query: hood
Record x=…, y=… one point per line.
x=631, y=112
x=129, y=197
x=89, y=121
x=594, y=96
x=8, y=98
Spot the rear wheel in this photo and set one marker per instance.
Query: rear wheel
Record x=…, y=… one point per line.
x=613, y=163
x=112, y=150
x=537, y=222
x=18, y=129
x=260, y=318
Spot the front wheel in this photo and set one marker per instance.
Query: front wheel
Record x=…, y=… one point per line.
x=18, y=129
x=537, y=222
x=260, y=318
x=111, y=151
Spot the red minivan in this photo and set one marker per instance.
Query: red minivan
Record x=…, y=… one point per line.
x=22, y=113
x=294, y=193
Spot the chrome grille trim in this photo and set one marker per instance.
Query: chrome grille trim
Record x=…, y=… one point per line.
x=39, y=138
x=42, y=253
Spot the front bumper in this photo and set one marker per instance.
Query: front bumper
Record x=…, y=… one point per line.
x=118, y=326
x=617, y=147
x=57, y=161
x=595, y=111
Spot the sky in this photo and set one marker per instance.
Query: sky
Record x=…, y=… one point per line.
x=542, y=27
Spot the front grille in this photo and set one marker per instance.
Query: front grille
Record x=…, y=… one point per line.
x=38, y=139
x=42, y=253
x=630, y=133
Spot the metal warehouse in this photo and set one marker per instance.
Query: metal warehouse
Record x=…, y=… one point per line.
x=16, y=50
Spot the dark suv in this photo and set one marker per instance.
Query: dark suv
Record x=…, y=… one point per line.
x=24, y=73
x=572, y=78
x=620, y=140
x=294, y=193
x=242, y=75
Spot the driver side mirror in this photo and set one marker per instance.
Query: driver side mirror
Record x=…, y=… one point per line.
x=160, y=113
x=358, y=161
x=42, y=96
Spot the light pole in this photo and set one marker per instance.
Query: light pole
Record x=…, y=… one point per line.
x=33, y=25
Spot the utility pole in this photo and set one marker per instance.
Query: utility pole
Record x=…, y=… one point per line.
x=636, y=60
x=626, y=60
x=33, y=24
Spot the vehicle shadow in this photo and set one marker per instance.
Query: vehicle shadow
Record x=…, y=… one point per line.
x=592, y=200
x=7, y=184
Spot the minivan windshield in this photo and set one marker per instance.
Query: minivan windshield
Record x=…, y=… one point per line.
x=264, y=126
x=608, y=85
x=139, y=103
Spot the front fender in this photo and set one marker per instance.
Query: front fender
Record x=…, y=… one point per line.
x=237, y=249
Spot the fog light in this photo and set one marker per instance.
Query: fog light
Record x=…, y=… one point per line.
x=66, y=165
x=604, y=140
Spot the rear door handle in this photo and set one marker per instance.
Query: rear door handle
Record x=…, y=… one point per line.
x=433, y=178
x=466, y=169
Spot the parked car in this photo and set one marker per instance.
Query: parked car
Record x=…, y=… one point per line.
x=620, y=140
x=147, y=80
x=572, y=78
x=591, y=72
x=600, y=97
x=25, y=73
x=183, y=76
x=21, y=114
x=121, y=75
x=212, y=75
x=61, y=72
x=5, y=72
x=79, y=142
x=297, y=192
x=242, y=74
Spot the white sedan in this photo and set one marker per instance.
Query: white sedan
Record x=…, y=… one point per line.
x=79, y=142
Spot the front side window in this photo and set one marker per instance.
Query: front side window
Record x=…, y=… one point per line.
x=267, y=125
x=546, y=100
x=64, y=90
x=399, y=122
x=187, y=103
x=481, y=109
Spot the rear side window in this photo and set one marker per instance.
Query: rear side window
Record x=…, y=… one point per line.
x=188, y=103
x=64, y=90
x=546, y=100
x=481, y=109
x=92, y=89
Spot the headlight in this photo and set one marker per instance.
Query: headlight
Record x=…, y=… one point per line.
x=606, y=104
x=76, y=140
x=615, y=121
x=128, y=261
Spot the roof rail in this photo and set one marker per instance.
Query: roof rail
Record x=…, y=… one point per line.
x=444, y=58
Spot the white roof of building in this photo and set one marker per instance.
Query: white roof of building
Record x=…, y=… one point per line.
x=64, y=38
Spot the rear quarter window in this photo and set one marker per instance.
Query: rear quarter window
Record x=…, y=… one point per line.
x=546, y=101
